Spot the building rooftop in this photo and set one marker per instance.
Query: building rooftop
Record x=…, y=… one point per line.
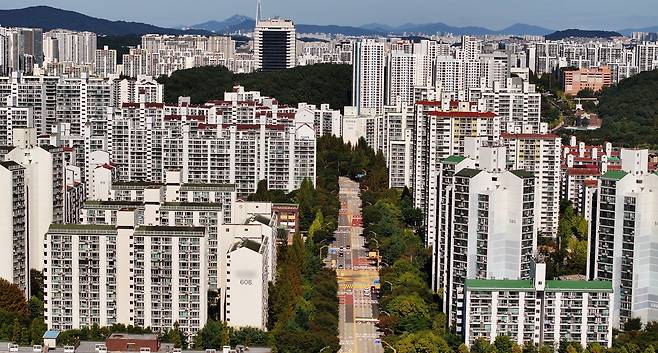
x=247, y=243
x=171, y=230
x=131, y=336
x=468, y=172
x=614, y=175
x=51, y=334
x=499, y=284
x=453, y=159
x=523, y=174
x=83, y=228
x=581, y=286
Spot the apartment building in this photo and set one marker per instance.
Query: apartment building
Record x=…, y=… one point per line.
x=368, y=83
x=105, y=62
x=539, y=154
x=22, y=49
x=61, y=45
x=487, y=222
x=247, y=275
x=125, y=273
x=45, y=188
x=514, y=100
x=621, y=246
x=539, y=311
x=14, y=243
x=438, y=135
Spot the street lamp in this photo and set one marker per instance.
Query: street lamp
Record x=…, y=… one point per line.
x=389, y=346
x=322, y=247
x=390, y=284
x=385, y=312
x=324, y=349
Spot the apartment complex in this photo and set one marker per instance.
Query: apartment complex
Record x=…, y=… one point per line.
x=539, y=311
x=368, y=63
x=145, y=276
x=13, y=235
x=622, y=244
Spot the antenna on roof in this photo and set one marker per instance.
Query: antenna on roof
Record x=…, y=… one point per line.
x=258, y=11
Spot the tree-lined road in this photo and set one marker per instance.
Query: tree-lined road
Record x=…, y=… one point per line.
x=357, y=330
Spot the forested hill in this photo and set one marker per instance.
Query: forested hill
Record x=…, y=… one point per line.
x=314, y=84
x=630, y=112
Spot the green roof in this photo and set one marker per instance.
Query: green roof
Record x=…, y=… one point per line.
x=480, y=284
x=212, y=205
x=594, y=286
x=468, y=172
x=614, y=175
x=523, y=174
x=453, y=159
x=616, y=159
x=142, y=230
x=82, y=228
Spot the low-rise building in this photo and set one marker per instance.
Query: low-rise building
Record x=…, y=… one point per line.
x=539, y=311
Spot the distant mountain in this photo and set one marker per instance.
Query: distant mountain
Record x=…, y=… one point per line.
x=235, y=23
x=49, y=18
x=432, y=28
x=579, y=33
x=522, y=28
x=240, y=23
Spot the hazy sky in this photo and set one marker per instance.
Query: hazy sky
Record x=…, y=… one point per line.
x=495, y=14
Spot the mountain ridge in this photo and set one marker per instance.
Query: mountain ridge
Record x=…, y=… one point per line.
x=49, y=18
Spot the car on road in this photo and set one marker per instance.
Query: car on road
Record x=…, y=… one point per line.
x=340, y=266
x=348, y=247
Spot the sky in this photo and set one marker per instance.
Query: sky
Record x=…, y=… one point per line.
x=494, y=14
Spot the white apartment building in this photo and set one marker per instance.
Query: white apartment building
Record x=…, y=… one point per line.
x=539, y=311
x=247, y=288
x=514, y=100
x=145, y=276
x=488, y=225
x=438, y=135
x=15, y=266
x=45, y=188
x=63, y=45
x=539, y=154
x=14, y=117
x=275, y=43
x=105, y=62
x=368, y=62
x=623, y=243
x=326, y=121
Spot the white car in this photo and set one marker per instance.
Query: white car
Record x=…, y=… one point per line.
x=145, y=350
x=13, y=347
x=69, y=349
x=37, y=348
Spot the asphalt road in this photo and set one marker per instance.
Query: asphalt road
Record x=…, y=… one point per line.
x=356, y=276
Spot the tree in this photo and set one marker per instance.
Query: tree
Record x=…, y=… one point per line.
x=412, y=312
x=633, y=324
x=36, y=284
x=503, y=344
x=316, y=226
x=463, y=348
x=482, y=345
x=210, y=336
x=177, y=337
x=425, y=342
x=12, y=299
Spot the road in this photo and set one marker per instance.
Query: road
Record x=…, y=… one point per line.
x=358, y=307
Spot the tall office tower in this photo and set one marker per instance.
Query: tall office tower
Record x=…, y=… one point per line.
x=62, y=45
x=275, y=44
x=539, y=311
x=368, y=62
x=438, y=135
x=515, y=101
x=488, y=224
x=622, y=248
x=539, y=154
x=44, y=182
x=13, y=230
x=126, y=273
x=105, y=62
